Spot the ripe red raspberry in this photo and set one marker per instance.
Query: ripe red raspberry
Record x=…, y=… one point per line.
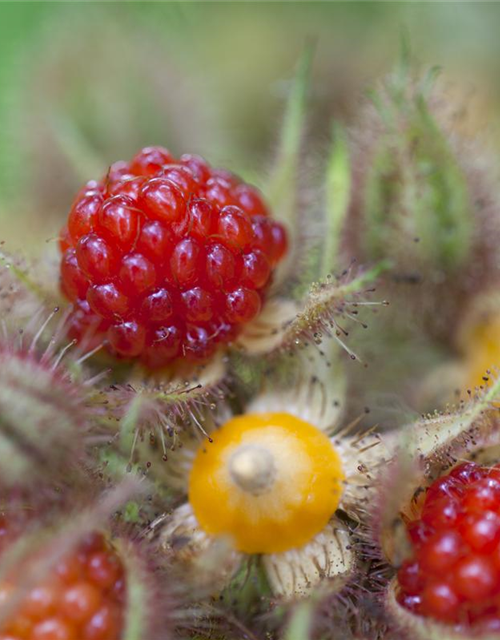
x=82, y=599
x=454, y=574
x=166, y=258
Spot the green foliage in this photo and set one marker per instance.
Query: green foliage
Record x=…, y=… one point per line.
x=417, y=205
x=282, y=186
x=337, y=198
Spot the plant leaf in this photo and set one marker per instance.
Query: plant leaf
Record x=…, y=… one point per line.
x=337, y=196
x=281, y=188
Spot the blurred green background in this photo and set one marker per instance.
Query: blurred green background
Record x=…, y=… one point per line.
x=82, y=85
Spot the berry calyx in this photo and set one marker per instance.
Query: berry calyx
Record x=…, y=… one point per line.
x=454, y=573
x=167, y=247
x=82, y=598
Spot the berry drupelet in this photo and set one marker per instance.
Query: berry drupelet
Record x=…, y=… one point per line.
x=166, y=258
x=82, y=598
x=454, y=574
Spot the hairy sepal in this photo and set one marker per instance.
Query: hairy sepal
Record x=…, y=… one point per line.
x=328, y=306
x=149, y=606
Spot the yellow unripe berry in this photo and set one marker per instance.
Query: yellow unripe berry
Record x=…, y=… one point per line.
x=270, y=482
x=482, y=351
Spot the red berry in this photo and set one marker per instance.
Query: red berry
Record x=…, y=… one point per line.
x=412, y=603
x=250, y=200
x=204, y=217
x=462, y=509
x=119, y=221
x=411, y=578
x=83, y=215
x=198, y=305
x=41, y=602
x=69, y=569
x=441, y=552
x=127, y=185
x=156, y=242
x=487, y=624
x=65, y=240
x=467, y=472
x=103, y=569
x=443, y=487
x=495, y=557
x=107, y=301
x=166, y=258
x=20, y=627
x=197, y=165
x=137, y=274
x=70, y=605
x=481, y=531
x=263, y=232
x=242, y=305
x=80, y=601
x=218, y=192
x=116, y=171
x=163, y=345
x=157, y=306
x=280, y=242
x=150, y=160
x=128, y=338
x=440, y=601
x=222, y=331
x=235, y=229
x=104, y=624
x=182, y=177
x=73, y=281
x=475, y=578
x=419, y=532
x=494, y=473
x=161, y=200
x=198, y=344
x=220, y=268
x=185, y=262
x=96, y=258
x=442, y=513
x=223, y=176
x=256, y=270
x=92, y=542
x=85, y=326
x=53, y=629
x=484, y=494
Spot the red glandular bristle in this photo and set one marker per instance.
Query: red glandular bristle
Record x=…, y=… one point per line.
x=83, y=597
x=167, y=258
x=454, y=574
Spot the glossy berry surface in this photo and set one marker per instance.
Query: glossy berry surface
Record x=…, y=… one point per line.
x=83, y=598
x=167, y=258
x=454, y=574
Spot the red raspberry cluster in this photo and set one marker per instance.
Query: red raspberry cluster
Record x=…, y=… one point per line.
x=167, y=257
x=83, y=598
x=454, y=575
